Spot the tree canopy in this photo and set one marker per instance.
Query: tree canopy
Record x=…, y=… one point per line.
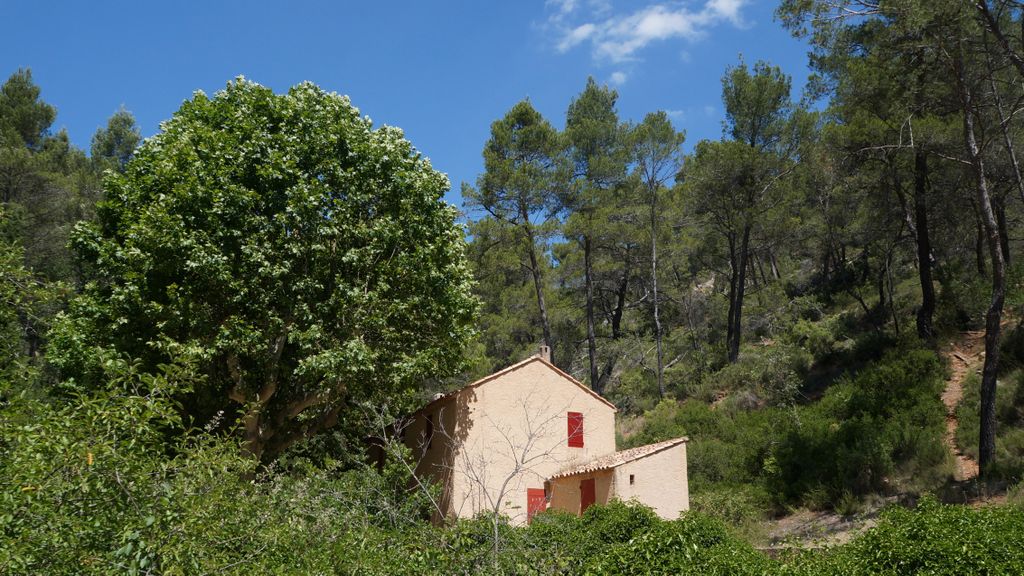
x=302, y=258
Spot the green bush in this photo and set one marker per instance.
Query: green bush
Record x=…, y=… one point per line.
x=94, y=486
x=773, y=373
x=725, y=445
x=887, y=417
x=930, y=539
x=693, y=544
x=819, y=338
x=962, y=300
x=1009, y=457
x=873, y=432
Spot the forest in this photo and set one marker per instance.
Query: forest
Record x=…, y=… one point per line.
x=201, y=329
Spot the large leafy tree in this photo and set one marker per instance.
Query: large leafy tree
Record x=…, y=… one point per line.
x=303, y=258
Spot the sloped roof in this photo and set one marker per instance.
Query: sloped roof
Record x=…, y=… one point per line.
x=619, y=458
x=513, y=368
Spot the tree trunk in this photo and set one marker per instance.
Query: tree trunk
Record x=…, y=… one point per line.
x=751, y=264
x=881, y=293
x=733, y=277
x=538, y=285
x=654, y=290
x=892, y=295
x=979, y=248
x=990, y=22
x=826, y=267
x=736, y=306
x=1004, y=125
x=620, y=304
x=999, y=206
x=595, y=382
x=775, y=266
x=924, y=247
x=993, y=318
x=760, y=269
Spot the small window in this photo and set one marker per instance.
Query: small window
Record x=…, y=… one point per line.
x=632, y=479
x=575, y=420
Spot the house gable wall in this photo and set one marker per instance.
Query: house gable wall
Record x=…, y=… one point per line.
x=659, y=481
x=513, y=435
x=509, y=433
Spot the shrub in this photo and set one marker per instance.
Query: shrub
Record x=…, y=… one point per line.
x=930, y=539
x=962, y=299
x=693, y=544
x=854, y=438
x=112, y=482
x=1009, y=457
x=819, y=338
x=725, y=445
x=774, y=373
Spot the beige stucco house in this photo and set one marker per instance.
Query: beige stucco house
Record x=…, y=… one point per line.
x=531, y=437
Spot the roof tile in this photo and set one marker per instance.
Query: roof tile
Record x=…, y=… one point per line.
x=619, y=458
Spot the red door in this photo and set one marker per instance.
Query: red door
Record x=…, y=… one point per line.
x=535, y=502
x=588, y=495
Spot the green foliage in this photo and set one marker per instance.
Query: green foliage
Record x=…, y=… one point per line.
x=1009, y=464
x=26, y=304
x=94, y=487
x=692, y=544
x=24, y=119
x=115, y=145
x=870, y=432
x=886, y=420
x=819, y=338
x=961, y=301
x=772, y=374
x=742, y=506
x=46, y=184
x=931, y=538
x=726, y=446
x=303, y=259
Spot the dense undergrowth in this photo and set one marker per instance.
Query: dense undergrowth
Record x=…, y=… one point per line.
x=876, y=432
x=1009, y=462
x=92, y=489
x=92, y=485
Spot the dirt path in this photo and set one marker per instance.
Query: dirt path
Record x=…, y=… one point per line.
x=965, y=354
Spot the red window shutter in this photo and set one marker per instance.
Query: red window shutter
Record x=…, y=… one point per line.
x=575, y=429
x=588, y=494
x=536, y=502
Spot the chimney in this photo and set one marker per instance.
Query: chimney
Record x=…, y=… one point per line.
x=544, y=353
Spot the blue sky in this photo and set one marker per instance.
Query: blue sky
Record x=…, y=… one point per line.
x=442, y=71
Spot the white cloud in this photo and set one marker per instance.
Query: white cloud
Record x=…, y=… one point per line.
x=619, y=37
x=575, y=36
x=618, y=78
x=562, y=8
x=676, y=114
x=727, y=9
